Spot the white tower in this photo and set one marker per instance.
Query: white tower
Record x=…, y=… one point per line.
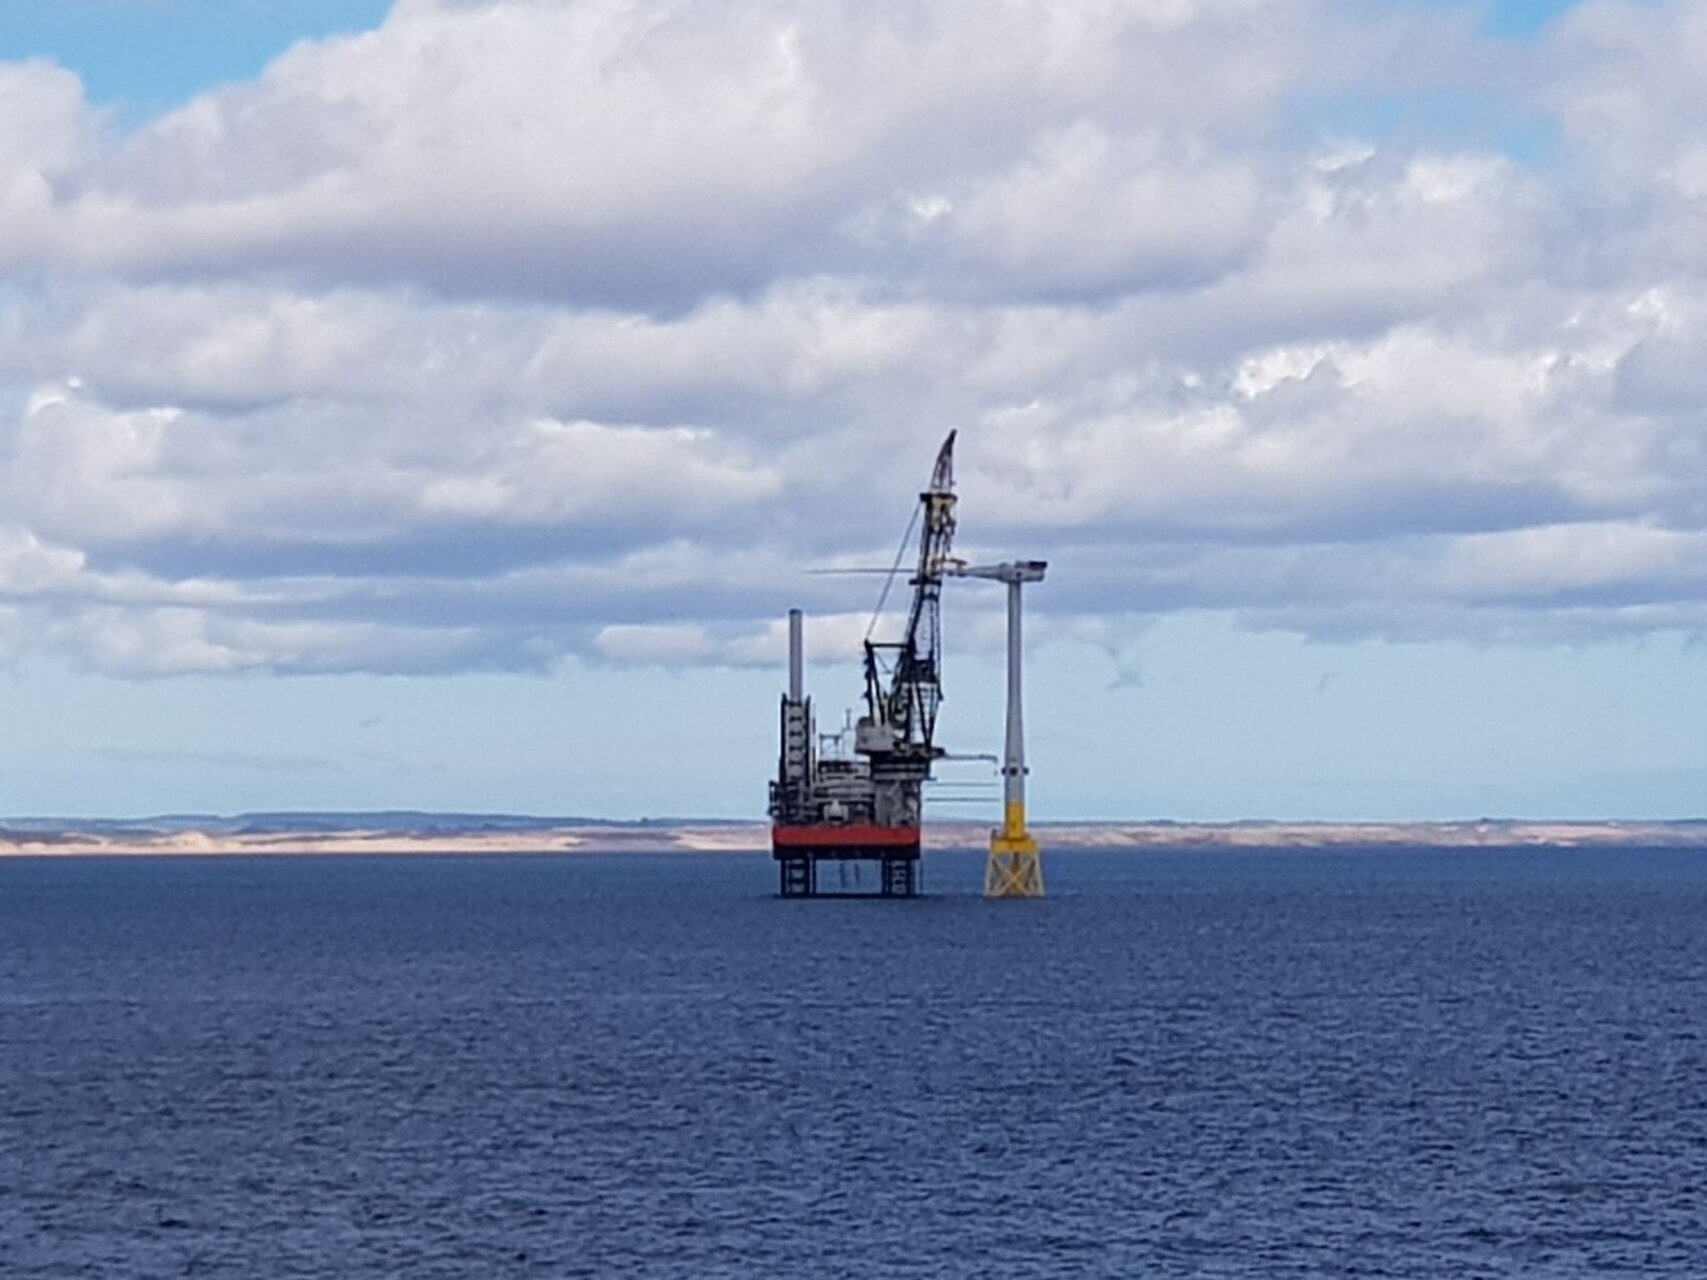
x=1013, y=869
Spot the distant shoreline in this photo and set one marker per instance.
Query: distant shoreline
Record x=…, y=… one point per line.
x=514, y=836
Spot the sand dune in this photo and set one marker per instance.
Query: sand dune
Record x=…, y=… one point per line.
x=653, y=837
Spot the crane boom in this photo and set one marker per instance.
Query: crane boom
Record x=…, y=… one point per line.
x=908, y=706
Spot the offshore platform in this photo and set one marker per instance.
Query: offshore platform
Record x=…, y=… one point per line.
x=854, y=810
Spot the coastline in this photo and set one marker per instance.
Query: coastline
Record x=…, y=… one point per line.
x=754, y=837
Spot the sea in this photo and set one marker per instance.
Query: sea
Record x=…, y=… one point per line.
x=1253, y=1063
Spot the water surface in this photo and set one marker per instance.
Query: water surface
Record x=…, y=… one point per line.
x=1261, y=1064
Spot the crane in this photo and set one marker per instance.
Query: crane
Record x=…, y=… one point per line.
x=903, y=678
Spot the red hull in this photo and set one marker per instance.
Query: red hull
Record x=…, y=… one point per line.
x=862, y=835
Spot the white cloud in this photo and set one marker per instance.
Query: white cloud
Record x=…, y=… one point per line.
x=665, y=644
x=514, y=329
x=47, y=136
x=28, y=567
x=1085, y=213
x=612, y=151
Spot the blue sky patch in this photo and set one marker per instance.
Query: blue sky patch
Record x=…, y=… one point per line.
x=148, y=56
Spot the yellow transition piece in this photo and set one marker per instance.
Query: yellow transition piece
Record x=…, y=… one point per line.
x=1014, y=868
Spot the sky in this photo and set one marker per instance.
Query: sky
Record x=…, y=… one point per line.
x=438, y=404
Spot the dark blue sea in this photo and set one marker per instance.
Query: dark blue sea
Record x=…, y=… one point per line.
x=1262, y=1064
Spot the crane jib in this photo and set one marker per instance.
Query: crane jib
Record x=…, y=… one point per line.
x=910, y=702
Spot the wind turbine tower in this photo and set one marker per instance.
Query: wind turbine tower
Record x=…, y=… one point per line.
x=1013, y=869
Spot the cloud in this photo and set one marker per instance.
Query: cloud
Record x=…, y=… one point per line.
x=514, y=330
x=647, y=155
x=47, y=138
